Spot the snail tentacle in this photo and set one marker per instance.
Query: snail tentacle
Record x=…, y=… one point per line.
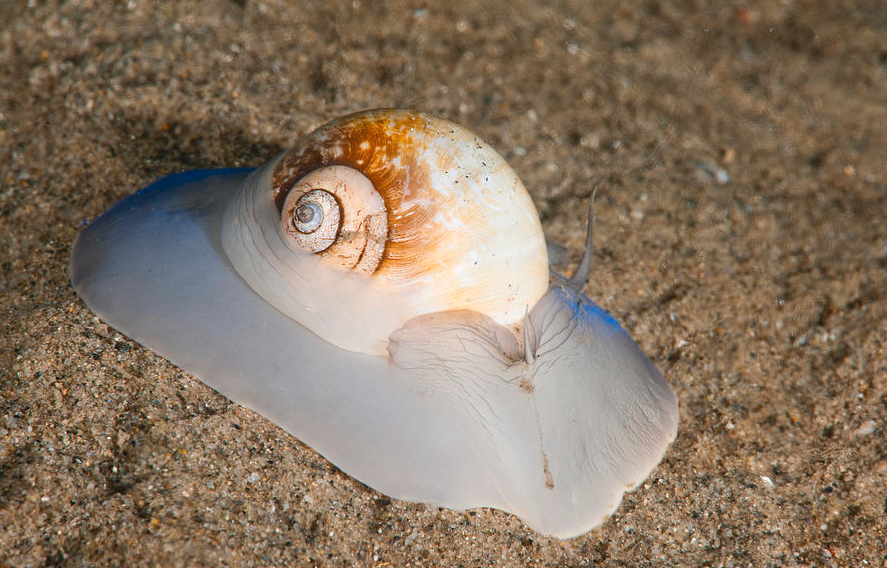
x=580, y=277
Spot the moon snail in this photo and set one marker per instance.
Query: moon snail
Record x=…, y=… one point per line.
x=382, y=291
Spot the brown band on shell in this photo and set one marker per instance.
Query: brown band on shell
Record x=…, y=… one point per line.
x=387, y=147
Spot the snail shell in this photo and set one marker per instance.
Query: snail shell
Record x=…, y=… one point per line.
x=382, y=292
x=413, y=214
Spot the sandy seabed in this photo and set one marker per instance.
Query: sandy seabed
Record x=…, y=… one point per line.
x=739, y=152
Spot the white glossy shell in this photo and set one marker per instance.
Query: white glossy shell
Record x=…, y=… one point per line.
x=462, y=230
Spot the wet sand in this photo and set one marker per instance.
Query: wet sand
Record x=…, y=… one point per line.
x=739, y=155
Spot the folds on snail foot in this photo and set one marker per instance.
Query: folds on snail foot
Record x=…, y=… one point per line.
x=550, y=415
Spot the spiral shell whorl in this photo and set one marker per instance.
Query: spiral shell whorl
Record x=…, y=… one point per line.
x=335, y=211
